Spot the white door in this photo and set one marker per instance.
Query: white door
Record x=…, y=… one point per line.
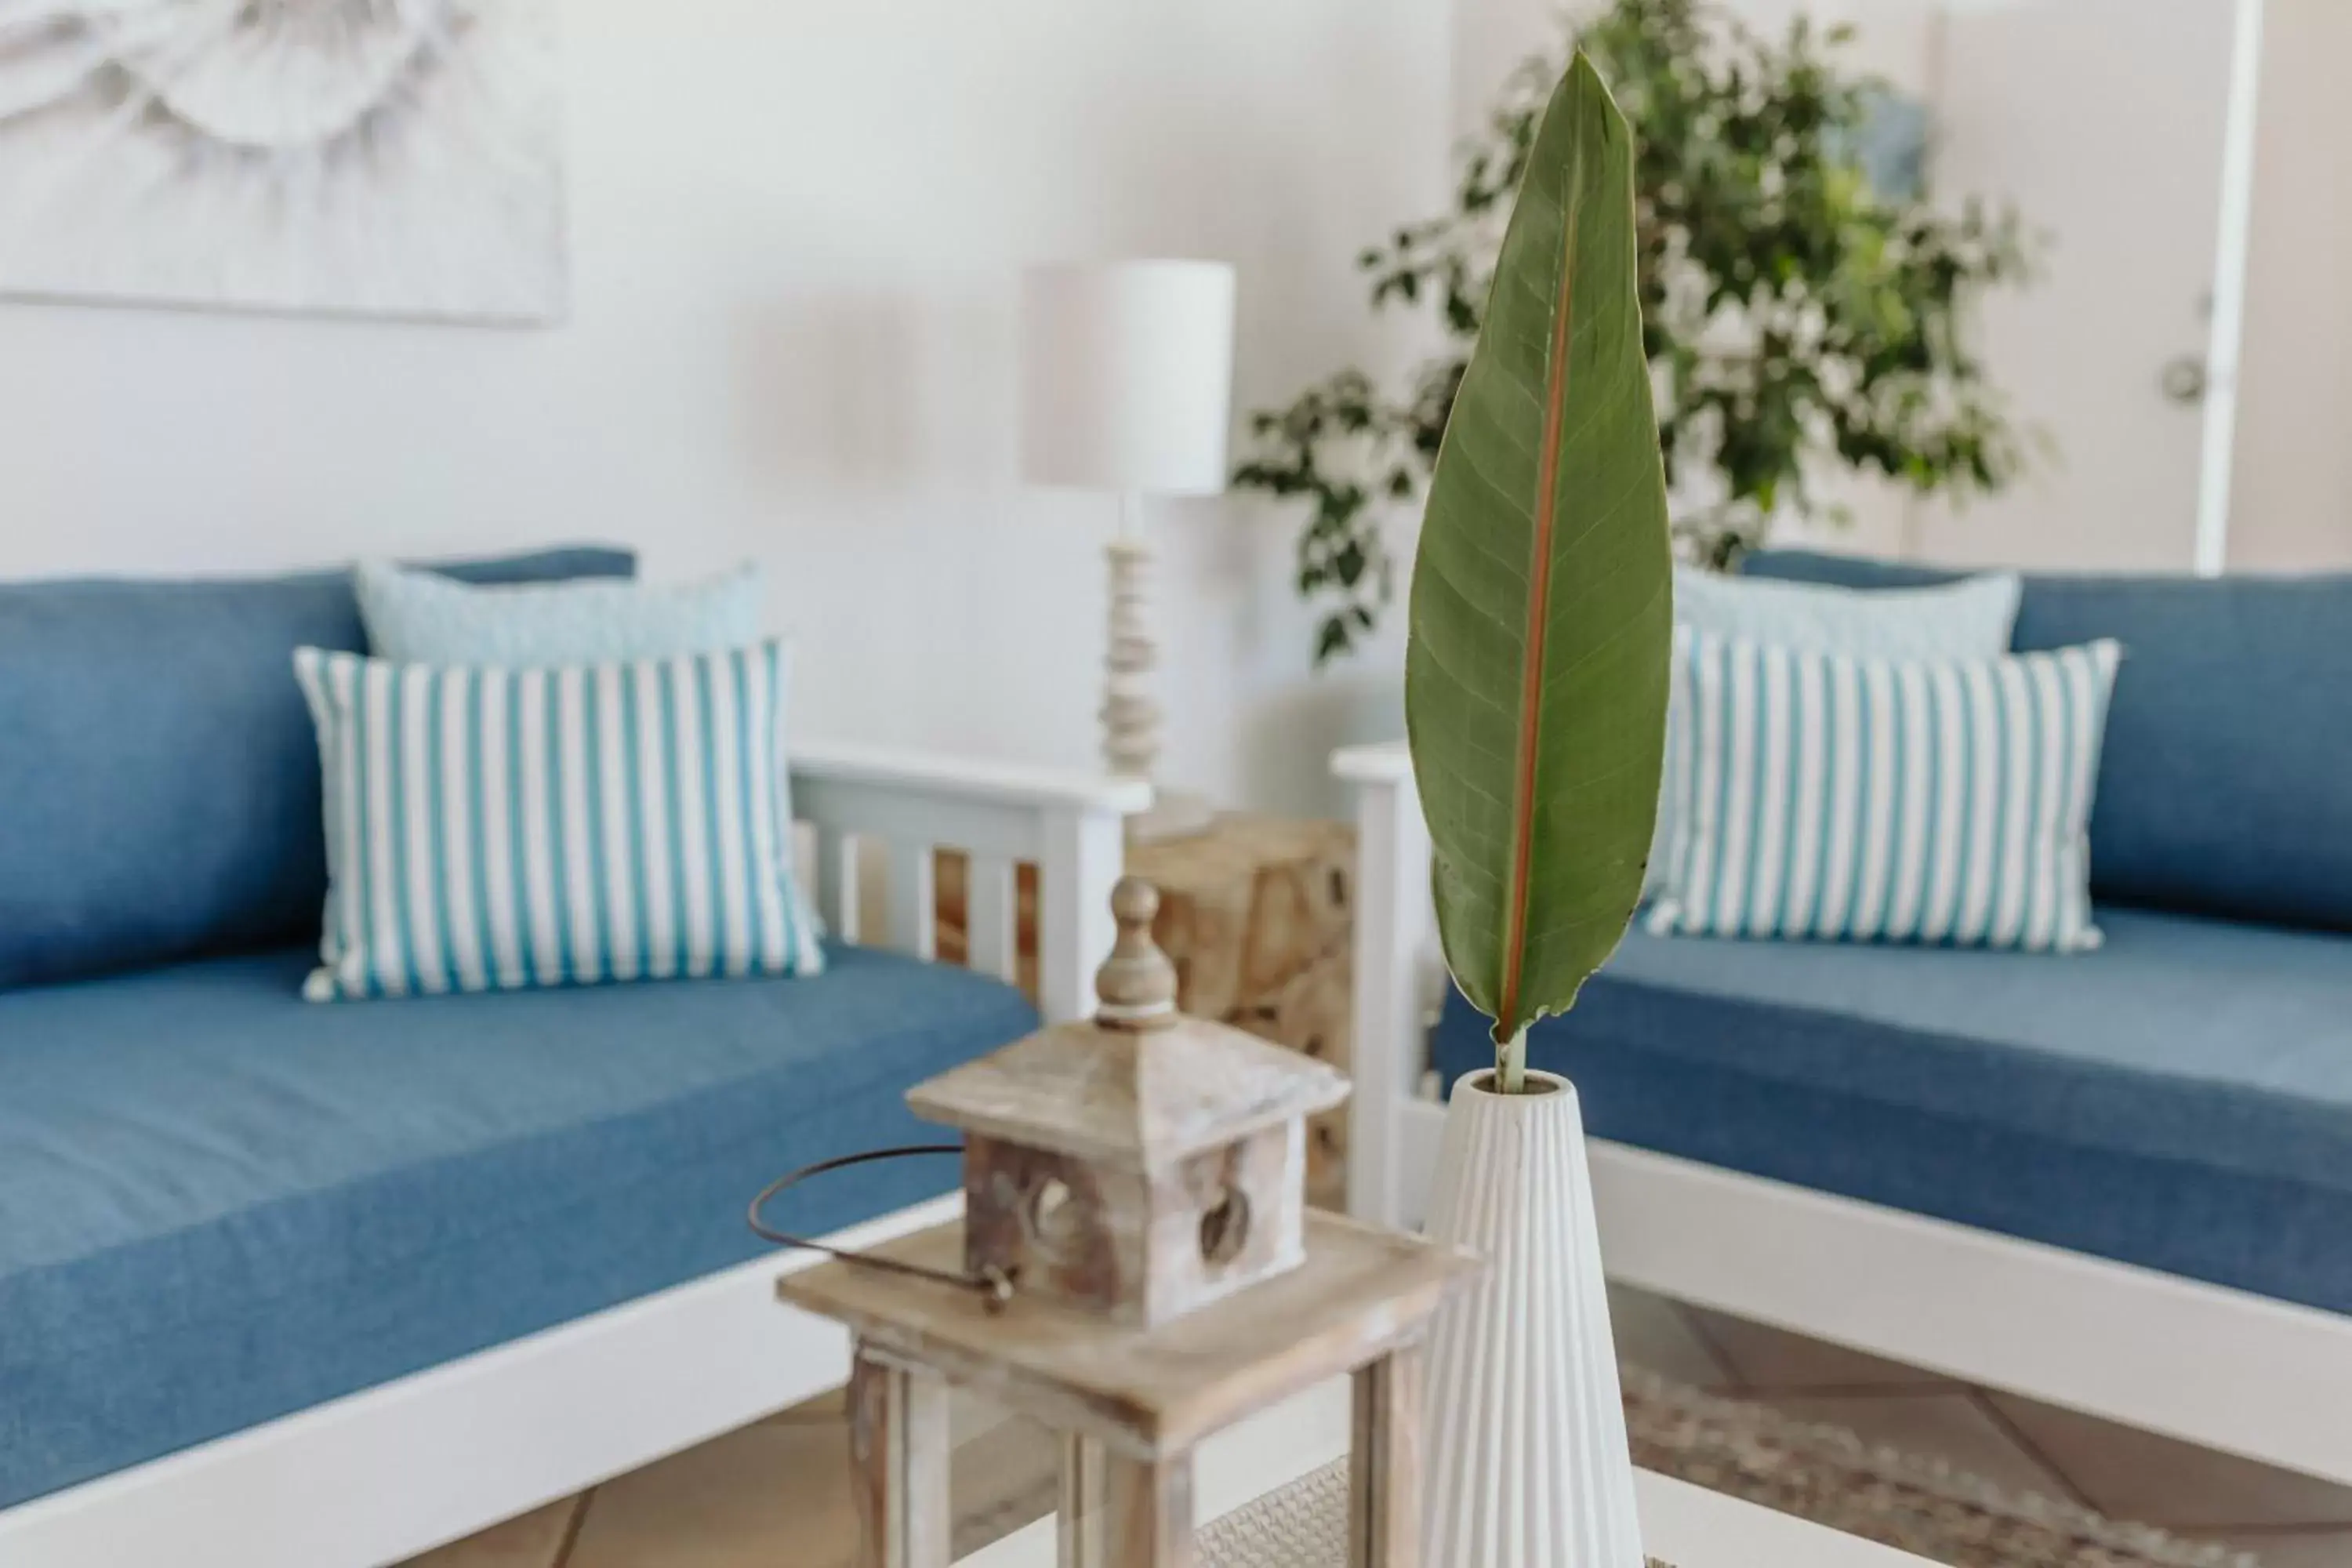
x=2103, y=120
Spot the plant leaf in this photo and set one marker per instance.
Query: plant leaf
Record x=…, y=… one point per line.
x=1541, y=614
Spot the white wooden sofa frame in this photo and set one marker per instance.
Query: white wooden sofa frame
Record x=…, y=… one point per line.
x=2223, y=1368
x=391, y=1472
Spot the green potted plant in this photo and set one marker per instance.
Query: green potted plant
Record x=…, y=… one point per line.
x=1804, y=303
x=1535, y=681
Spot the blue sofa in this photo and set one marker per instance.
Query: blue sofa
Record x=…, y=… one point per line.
x=2180, y=1098
x=220, y=1204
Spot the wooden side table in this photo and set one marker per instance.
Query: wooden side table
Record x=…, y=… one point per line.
x=1256, y=914
x=1135, y=1404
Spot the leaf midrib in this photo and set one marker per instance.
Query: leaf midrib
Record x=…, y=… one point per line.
x=1523, y=787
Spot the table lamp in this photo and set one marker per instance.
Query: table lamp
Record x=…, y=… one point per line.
x=1127, y=386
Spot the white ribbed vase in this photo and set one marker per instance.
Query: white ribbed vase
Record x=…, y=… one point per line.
x=1525, y=1441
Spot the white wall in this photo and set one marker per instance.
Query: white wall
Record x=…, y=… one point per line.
x=2291, y=484
x=796, y=229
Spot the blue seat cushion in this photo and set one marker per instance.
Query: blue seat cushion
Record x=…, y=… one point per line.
x=159, y=771
x=219, y=1203
x=2222, y=786
x=2179, y=1098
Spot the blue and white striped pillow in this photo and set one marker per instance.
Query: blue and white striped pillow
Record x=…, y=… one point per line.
x=1840, y=798
x=1970, y=618
x=492, y=829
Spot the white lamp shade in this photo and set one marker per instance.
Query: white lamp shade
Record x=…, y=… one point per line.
x=1127, y=376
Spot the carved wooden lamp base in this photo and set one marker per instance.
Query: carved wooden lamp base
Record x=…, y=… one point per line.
x=1131, y=713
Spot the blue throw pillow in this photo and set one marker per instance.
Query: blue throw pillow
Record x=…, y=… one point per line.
x=1970, y=619
x=1836, y=798
x=159, y=785
x=2224, y=787
x=493, y=829
x=421, y=617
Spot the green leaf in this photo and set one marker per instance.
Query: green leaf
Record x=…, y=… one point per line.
x=1333, y=640
x=1540, y=619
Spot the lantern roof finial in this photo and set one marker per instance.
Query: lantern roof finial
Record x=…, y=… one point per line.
x=1135, y=984
x=1139, y=1083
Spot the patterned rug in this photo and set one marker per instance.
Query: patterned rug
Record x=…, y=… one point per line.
x=1302, y=1525
x=1831, y=1476
x=1822, y=1473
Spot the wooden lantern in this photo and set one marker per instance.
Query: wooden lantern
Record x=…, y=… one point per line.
x=1140, y=1164
x=1137, y=1182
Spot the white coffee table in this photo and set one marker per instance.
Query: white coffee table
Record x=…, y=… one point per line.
x=1687, y=1526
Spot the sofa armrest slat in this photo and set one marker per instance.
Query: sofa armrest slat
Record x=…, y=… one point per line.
x=1069, y=825
x=1395, y=930
x=966, y=778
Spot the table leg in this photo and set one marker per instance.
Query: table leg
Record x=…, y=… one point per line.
x=1077, y=1529
x=899, y=1448
x=1118, y=1512
x=1384, y=1463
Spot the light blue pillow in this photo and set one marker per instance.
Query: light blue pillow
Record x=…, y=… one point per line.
x=1856, y=799
x=492, y=828
x=419, y=617
x=1971, y=618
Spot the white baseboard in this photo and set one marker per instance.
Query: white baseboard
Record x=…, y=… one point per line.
x=383, y=1474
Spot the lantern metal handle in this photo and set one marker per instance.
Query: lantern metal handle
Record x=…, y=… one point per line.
x=995, y=1286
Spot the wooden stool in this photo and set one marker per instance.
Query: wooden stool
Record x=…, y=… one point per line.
x=1257, y=914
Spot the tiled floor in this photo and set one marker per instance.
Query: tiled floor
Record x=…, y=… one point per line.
x=777, y=1492
x=772, y=1495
